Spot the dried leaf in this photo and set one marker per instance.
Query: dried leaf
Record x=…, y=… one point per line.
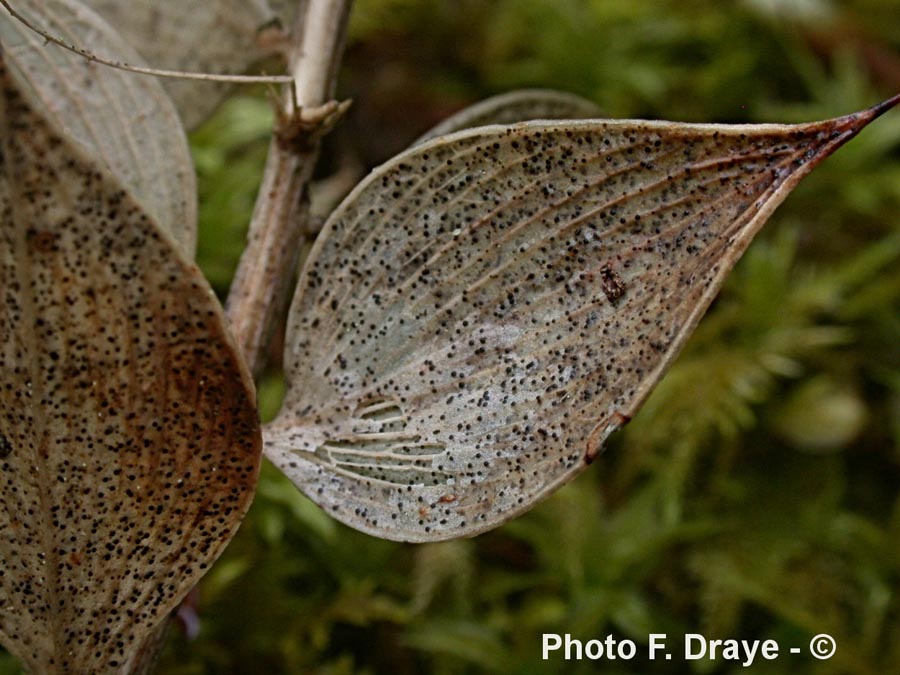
x=129, y=440
x=203, y=36
x=126, y=122
x=285, y=10
x=483, y=311
x=516, y=106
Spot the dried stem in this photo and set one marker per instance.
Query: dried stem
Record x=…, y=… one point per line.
x=259, y=292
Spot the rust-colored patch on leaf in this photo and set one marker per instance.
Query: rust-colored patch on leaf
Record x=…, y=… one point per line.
x=128, y=430
x=41, y=242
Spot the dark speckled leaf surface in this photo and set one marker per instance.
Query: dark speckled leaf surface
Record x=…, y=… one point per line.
x=126, y=123
x=129, y=440
x=485, y=309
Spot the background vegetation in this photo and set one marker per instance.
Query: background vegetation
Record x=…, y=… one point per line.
x=757, y=494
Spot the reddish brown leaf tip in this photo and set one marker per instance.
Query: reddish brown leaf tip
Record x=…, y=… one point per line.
x=879, y=109
x=857, y=121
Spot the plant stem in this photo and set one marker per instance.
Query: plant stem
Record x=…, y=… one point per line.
x=259, y=292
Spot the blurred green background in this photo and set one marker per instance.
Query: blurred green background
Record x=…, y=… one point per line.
x=756, y=495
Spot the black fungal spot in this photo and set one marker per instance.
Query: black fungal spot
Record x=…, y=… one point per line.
x=5, y=447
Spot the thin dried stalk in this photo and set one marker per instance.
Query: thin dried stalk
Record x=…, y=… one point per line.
x=260, y=289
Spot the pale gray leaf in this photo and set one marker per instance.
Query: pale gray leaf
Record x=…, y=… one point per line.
x=285, y=10
x=203, y=36
x=485, y=309
x=516, y=106
x=124, y=121
x=129, y=439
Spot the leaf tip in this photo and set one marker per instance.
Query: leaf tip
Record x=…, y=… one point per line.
x=858, y=120
x=881, y=108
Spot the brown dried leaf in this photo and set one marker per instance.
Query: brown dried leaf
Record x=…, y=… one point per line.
x=126, y=122
x=515, y=106
x=129, y=440
x=485, y=309
x=202, y=36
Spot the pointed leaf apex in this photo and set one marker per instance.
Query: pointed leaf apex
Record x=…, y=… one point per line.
x=879, y=109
